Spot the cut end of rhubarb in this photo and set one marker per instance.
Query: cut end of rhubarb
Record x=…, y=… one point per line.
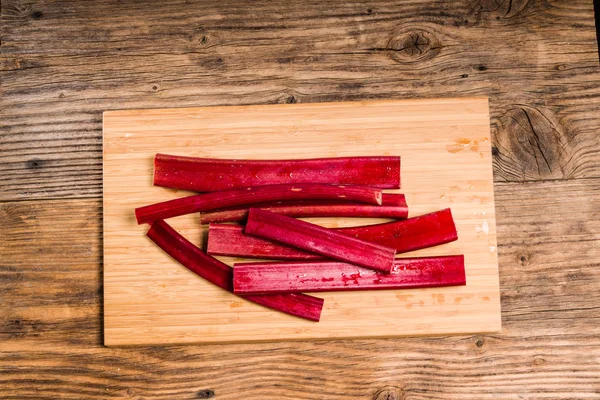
x=399, y=175
x=155, y=171
x=138, y=217
x=451, y=226
x=379, y=198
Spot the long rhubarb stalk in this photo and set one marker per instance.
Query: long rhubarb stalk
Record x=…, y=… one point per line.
x=221, y=275
x=407, y=235
x=392, y=206
x=324, y=276
x=252, y=195
x=317, y=239
x=209, y=174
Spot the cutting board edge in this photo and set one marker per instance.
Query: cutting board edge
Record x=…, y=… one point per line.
x=492, y=330
x=120, y=112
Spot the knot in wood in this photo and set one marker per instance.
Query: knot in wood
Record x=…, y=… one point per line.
x=413, y=46
x=202, y=38
x=205, y=394
x=524, y=260
x=18, y=11
x=538, y=361
x=500, y=8
x=533, y=145
x=388, y=393
x=287, y=99
x=15, y=216
x=34, y=163
x=21, y=328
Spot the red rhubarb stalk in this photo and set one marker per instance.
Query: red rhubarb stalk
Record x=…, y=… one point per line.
x=253, y=195
x=324, y=276
x=392, y=206
x=209, y=174
x=411, y=234
x=230, y=240
x=323, y=241
x=221, y=275
x=407, y=235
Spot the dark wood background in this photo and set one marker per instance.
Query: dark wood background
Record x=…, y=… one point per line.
x=64, y=62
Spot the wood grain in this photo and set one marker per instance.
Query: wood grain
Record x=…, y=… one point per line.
x=63, y=63
x=51, y=323
x=150, y=299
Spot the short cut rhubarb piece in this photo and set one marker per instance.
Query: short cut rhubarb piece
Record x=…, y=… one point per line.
x=221, y=275
x=210, y=174
x=324, y=276
x=253, y=195
x=411, y=234
x=407, y=235
x=392, y=206
x=230, y=240
x=319, y=240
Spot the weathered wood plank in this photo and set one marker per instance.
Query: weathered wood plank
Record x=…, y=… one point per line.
x=549, y=247
x=63, y=63
x=46, y=26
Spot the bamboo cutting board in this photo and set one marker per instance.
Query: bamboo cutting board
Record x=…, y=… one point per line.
x=446, y=162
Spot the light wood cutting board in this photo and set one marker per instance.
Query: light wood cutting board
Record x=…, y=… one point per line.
x=446, y=162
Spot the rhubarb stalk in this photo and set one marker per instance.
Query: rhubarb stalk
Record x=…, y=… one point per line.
x=253, y=195
x=407, y=235
x=392, y=206
x=221, y=275
x=230, y=240
x=411, y=234
x=324, y=276
x=323, y=241
x=209, y=174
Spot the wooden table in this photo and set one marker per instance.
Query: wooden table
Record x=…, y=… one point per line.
x=63, y=63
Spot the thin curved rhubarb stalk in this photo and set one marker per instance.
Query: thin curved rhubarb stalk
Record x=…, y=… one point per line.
x=221, y=275
x=407, y=235
x=253, y=195
x=210, y=174
x=323, y=241
x=325, y=276
x=392, y=206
